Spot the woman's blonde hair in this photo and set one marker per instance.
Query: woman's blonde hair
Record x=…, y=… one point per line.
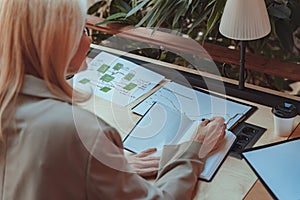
x=39, y=37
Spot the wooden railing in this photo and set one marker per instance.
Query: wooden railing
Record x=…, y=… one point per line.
x=270, y=66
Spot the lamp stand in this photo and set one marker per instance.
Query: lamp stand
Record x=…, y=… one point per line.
x=242, y=65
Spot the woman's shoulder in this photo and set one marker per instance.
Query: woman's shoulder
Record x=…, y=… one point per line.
x=52, y=114
x=70, y=114
x=84, y=126
x=61, y=123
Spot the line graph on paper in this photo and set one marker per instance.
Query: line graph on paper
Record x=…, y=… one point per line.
x=194, y=104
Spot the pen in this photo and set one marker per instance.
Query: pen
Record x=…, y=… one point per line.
x=203, y=119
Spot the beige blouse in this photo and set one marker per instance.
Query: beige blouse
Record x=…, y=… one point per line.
x=57, y=150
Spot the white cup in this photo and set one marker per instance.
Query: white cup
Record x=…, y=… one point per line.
x=284, y=116
x=283, y=126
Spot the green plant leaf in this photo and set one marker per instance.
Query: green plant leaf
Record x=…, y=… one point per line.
x=295, y=13
x=195, y=5
x=116, y=16
x=122, y=6
x=280, y=11
x=95, y=7
x=210, y=4
x=198, y=21
x=180, y=11
x=164, y=11
x=284, y=34
x=149, y=14
x=122, y=21
x=137, y=8
x=215, y=15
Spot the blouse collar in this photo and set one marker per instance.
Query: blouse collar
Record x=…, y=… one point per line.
x=37, y=87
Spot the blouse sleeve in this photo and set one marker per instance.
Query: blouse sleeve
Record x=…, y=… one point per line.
x=109, y=176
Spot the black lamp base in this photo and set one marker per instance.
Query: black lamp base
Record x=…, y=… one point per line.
x=242, y=65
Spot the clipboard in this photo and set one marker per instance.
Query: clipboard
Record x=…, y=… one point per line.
x=277, y=165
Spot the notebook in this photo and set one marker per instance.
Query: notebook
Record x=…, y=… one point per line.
x=278, y=167
x=162, y=125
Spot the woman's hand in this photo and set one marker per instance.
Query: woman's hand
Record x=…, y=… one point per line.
x=211, y=134
x=143, y=164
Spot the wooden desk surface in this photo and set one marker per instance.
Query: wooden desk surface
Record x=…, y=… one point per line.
x=235, y=179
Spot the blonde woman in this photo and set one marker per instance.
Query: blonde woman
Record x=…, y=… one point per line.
x=52, y=149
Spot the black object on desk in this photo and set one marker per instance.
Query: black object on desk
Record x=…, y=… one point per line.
x=247, y=135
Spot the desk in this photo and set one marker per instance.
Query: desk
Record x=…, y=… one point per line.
x=258, y=191
x=235, y=179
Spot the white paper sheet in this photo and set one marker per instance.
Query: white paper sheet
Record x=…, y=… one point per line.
x=115, y=79
x=195, y=104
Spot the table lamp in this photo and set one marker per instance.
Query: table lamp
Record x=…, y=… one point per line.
x=244, y=20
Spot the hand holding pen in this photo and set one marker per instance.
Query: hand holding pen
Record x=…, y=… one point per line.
x=211, y=134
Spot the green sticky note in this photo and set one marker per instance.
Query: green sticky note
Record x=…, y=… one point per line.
x=130, y=86
x=103, y=68
x=107, y=78
x=84, y=81
x=105, y=89
x=118, y=66
x=129, y=76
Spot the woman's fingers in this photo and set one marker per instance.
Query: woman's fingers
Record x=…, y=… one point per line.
x=143, y=164
x=204, y=122
x=146, y=152
x=211, y=134
x=146, y=162
x=218, y=119
x=147, y=172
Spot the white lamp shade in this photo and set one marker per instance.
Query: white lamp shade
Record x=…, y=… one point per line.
x=245, y=20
